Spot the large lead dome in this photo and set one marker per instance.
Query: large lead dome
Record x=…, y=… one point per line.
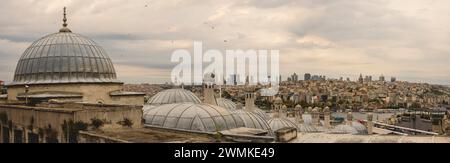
x=64, y=57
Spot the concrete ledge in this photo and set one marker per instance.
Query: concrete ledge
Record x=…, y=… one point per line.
x=286, y=134
x=86, y=137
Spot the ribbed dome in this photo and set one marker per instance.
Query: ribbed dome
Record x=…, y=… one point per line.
x=172, y=96
x=261, y=113
x=279, y=123
x=307, y=128
x=192, y=117
x=252, y=120
x=225, y=103
x=64, y=57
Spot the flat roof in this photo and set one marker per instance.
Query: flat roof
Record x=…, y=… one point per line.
x=153, y=135
x=348, y=138
x=65, y=110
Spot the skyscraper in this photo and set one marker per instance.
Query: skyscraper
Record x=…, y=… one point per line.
x=307, y=76
x=393, y=79
x=382, y=78
x=294, y=77
x=360, y=79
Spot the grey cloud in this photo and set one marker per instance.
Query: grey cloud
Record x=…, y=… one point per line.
x=373, y=31
x=266, y=3
x=343, y=20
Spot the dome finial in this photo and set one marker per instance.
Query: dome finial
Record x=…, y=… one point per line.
x=65, y=19
x=65, y=29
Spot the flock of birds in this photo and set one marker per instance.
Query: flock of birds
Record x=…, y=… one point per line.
x=209, y=25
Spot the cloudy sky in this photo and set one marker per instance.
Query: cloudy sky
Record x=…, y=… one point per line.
x=409, y=39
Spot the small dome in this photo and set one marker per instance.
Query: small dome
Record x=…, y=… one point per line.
x=225, y=103
x=192, y=117
x=278, y=100
x=309, y=109
x=172, y=96
x=64, y=57
x=279, y=123
x=252, y=120
x=298, y=107
x=284, y=107
x=315, y=110
x=261, y=113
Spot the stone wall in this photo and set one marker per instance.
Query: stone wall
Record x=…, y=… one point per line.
x=38, y=120
x=128, y=100
x=114, y=114
x=35, y=119
x=86, y=137
x=92, y=93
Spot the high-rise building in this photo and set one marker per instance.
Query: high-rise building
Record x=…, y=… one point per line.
x=315, y=77
x=294, y=77
x=233, y=80
x=360, y=79
x=382, y=78
x=368, y=79
x=393, y=79
x=307, y=76
x=2, y=87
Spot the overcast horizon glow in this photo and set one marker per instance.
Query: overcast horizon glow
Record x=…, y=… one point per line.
x=407, y=39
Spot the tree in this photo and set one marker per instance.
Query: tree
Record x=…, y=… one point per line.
x=126, y=123
x=96, y=123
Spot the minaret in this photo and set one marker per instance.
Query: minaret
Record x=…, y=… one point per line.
x=283, y=111
x=349, y=118
x=327, y=117
x=208, y=90
x=250, y=101
x=298, y=114
x=309, y=110
x=370, y=123
x=278, y=103
x=208, y=94
x=220, y=91
x=315, y=116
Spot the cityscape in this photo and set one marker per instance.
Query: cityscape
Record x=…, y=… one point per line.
x=65, y=87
